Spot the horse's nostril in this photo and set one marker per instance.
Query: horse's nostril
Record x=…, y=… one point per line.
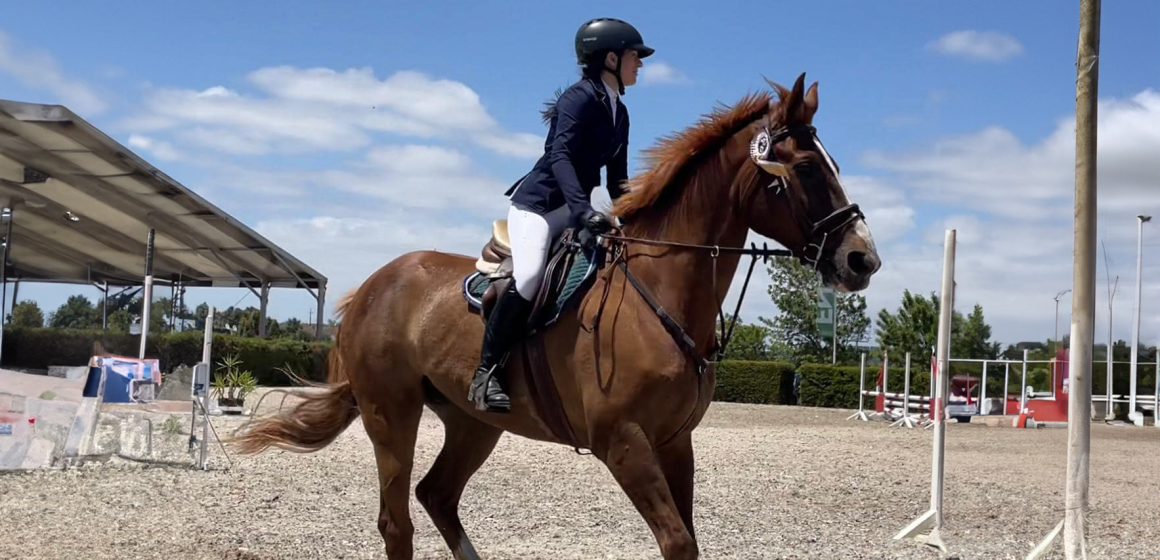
x=862, y=263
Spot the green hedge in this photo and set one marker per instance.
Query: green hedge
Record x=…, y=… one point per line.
x=829, y=386
x=822, y=385
x=754, y=382
x=40, y=348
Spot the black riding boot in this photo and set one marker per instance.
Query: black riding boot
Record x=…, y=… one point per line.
x=506, y=323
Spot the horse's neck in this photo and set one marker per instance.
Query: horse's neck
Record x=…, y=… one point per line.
x=682, y=279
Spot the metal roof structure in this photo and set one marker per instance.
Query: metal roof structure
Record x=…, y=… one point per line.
x=82, y=206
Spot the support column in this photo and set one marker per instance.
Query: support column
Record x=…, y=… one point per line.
x=264, y=298
x=7, y=216
x=147, y=296
x=321, y=308
x=105, y=308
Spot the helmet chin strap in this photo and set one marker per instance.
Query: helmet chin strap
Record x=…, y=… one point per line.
x=619, y=80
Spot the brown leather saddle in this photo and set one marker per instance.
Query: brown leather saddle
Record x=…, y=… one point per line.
x=568, y=273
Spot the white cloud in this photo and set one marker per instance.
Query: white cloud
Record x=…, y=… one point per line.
x=660, y=73
x=349, y=249
x=517, y=145
x=994, y=171
x=1012, y=203
x=888, y=213
x=319, y=109
x=978, y=45
x=39, y=70
x=163, y=150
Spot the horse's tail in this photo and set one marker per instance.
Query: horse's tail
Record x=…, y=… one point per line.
x=313, y=423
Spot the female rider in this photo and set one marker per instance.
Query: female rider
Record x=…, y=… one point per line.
x=588, y=129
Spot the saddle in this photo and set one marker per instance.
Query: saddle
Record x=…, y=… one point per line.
x=571, y=270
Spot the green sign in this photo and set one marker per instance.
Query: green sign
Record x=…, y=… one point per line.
x=826, y=309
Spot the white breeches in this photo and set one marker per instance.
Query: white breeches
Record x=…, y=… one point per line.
x=531, y=237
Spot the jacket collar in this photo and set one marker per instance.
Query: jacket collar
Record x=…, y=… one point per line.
x=602, y=96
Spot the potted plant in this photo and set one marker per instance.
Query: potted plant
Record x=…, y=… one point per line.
x=231, y=385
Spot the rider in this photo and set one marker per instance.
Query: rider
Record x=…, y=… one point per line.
x=588, y=129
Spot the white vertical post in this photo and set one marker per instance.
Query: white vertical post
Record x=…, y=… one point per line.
x=933, y=518
x=7, y=215
x=983, y=389
x=1156, y=401
x=1108, y=412
x=1134, y=415
x=906, y=420
x=885, y=385
x=861, y=414
x=206, y=356
x=1023, y=385
x=1006, y=384
x=147, y=294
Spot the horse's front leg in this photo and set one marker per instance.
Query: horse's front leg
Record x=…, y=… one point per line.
x=676, y=461
x=634, y=464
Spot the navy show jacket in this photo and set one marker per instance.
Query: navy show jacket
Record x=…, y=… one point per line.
x=581, y=139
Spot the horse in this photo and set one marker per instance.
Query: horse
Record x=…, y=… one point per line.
x=632, y=365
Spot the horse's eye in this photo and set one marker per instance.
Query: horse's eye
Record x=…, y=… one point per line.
x=805, y=169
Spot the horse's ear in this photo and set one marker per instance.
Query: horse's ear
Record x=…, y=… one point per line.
x=810, y=103
x=793, y=103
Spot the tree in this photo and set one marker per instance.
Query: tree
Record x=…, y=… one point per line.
x=973, y=340
x=76, y=313
x=748, y=342
x=914, y=328
x=27, y=314
x=795, y=290
x=292, y=329
x=119, y=321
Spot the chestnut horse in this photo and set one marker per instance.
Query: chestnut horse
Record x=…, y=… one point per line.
x=407, y=339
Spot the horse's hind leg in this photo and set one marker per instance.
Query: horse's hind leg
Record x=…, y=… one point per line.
x=392, y=423
x=630, y=457
x=467, y=444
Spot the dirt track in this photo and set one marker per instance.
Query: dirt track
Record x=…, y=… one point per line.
x=772, y=482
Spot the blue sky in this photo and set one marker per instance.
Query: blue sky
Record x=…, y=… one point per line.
x=351, y=134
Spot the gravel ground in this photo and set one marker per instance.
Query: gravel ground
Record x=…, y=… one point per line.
x=772, y=482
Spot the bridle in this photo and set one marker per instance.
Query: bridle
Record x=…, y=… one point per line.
x=819, y=230
x=761, y=146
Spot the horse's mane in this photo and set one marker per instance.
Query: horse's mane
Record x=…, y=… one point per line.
x=676, y=156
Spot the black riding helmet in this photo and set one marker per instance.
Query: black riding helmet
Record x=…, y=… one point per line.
x=602, y=35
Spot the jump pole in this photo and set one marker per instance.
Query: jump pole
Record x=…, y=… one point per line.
x=933, y=519
x=1083, y=295
x=861, y=414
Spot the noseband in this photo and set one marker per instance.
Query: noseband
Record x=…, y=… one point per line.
x=760, y=149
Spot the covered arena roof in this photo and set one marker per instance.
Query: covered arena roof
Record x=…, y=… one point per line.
x=83, y=205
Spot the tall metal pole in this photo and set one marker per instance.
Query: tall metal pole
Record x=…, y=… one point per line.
x=937, y=408
x=1133, y=414
x=1083, y=296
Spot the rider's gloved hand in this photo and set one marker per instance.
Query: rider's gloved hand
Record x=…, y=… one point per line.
x=596, y=222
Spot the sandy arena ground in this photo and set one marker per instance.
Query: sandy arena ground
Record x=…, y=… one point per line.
x=772, y=482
